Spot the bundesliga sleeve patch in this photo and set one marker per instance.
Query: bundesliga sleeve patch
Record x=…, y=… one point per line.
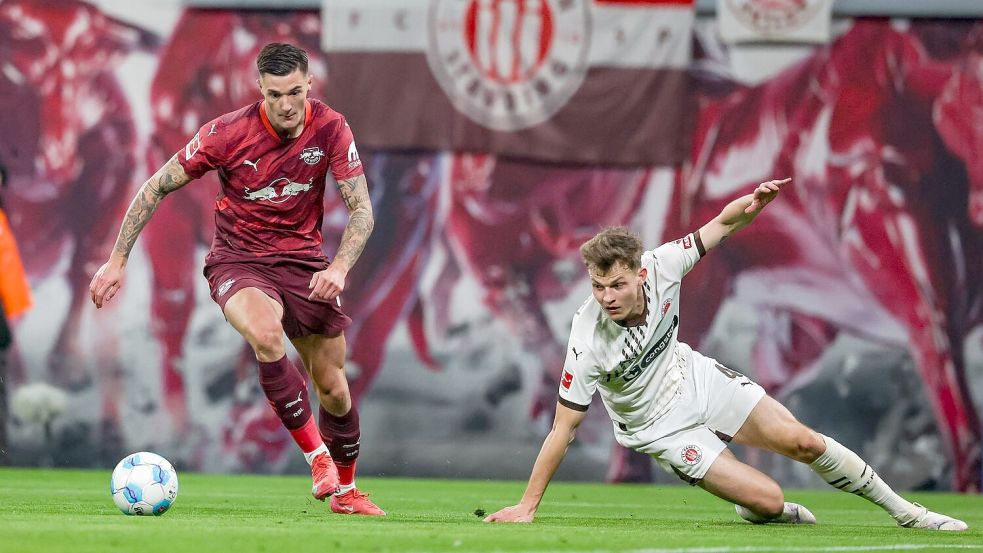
x=566, y=380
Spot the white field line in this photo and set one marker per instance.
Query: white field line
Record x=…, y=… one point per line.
x=779, y=548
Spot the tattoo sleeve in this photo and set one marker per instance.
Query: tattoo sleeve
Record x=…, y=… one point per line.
x=168, y=178
x=355, y=193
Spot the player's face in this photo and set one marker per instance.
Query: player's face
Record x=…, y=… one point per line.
x=619, y=291
x=284, y=98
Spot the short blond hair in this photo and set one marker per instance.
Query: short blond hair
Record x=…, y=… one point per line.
x=610, y=246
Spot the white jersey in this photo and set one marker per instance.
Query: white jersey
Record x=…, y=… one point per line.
x=639, y=369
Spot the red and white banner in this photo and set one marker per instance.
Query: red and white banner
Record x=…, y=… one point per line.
x=804, y=21
x=581, y=81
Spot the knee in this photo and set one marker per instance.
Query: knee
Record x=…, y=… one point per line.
x=336, y=395
x=332, y=388
x=808, y=445
x=769, y=502
x=267, y=341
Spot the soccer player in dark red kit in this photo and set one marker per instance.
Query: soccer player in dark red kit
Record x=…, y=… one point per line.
x=266, y=269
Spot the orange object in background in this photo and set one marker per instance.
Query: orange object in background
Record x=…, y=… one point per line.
x=15, y=292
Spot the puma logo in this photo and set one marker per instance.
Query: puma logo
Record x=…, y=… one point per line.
x=253, y=164
x=212, y=131
x=576, y=354
x=296, y=401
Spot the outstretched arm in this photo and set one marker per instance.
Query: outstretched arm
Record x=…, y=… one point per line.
x=550, y=456
x=109, y=278
x=739, y=213
x=328, y=284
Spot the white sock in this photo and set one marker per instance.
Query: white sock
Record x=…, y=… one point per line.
x=343, y=489
x=311, y=455
x=845, y=470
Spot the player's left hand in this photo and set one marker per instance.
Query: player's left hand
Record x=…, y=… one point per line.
x=515, y=513
x=328, y=284
x=765, y=193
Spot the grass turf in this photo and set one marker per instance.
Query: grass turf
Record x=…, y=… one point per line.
x=61, y=510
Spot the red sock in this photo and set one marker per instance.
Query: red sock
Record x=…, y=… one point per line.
x=307, y=436
x=346, y=473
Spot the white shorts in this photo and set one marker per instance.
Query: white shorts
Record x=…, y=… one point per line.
x=712, y=405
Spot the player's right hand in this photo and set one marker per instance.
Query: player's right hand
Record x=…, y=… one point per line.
x=106, y=282
x=515, y=513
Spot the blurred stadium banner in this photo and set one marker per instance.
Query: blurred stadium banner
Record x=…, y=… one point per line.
x=796, y=21
x=580, y=81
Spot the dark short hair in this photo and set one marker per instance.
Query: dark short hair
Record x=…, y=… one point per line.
x=277, y=58
x=610, y=246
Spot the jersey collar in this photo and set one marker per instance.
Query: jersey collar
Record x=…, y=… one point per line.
x=269, y=126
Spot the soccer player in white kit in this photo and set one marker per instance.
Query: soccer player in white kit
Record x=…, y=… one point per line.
x=679, y=406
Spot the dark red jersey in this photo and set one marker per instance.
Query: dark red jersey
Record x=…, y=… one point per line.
x=272, y=198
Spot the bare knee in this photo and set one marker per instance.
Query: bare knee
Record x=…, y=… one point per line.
x=266, y=341
x=769, y=502
x=332, y=389
x=808, y=445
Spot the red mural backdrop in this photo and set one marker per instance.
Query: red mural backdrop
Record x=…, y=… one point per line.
x=879, y=240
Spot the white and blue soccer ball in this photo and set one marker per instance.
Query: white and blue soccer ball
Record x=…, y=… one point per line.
x=144, y=483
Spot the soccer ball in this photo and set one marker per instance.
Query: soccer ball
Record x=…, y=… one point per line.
x=144, y=483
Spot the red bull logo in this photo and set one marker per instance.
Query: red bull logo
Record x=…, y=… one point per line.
x=287, y=189
x=509, y=64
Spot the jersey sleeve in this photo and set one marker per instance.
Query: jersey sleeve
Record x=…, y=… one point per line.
x=206, y=150
x=345, y=162
x=676, y=258
x=579, y=379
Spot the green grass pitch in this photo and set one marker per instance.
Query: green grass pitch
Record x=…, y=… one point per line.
x=60, y=510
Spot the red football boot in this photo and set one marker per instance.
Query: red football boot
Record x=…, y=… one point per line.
x=325, y=476
x=354, y=502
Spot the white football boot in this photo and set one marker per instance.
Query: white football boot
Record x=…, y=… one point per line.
x=792, y=514
x=929, y=520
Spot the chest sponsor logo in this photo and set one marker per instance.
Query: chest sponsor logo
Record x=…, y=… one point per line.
x=691, y=454
x=566, y=380
x=509, y=65
x=312, y=156
x=278, y=191
x=648, y=358
x=686, y=242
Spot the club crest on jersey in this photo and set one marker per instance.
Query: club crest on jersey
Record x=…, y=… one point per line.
x=566, y=380
x=312, y=156
x=665, y=307
x=691, y=454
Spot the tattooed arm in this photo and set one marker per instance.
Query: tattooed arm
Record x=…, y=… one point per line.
x=328, y=284
x=109, y=278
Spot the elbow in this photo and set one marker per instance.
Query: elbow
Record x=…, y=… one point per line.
x=363, y=220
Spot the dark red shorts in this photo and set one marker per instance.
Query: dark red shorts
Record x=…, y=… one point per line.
x=286, y=281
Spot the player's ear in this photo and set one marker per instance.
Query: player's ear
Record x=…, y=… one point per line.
x=643, y=273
